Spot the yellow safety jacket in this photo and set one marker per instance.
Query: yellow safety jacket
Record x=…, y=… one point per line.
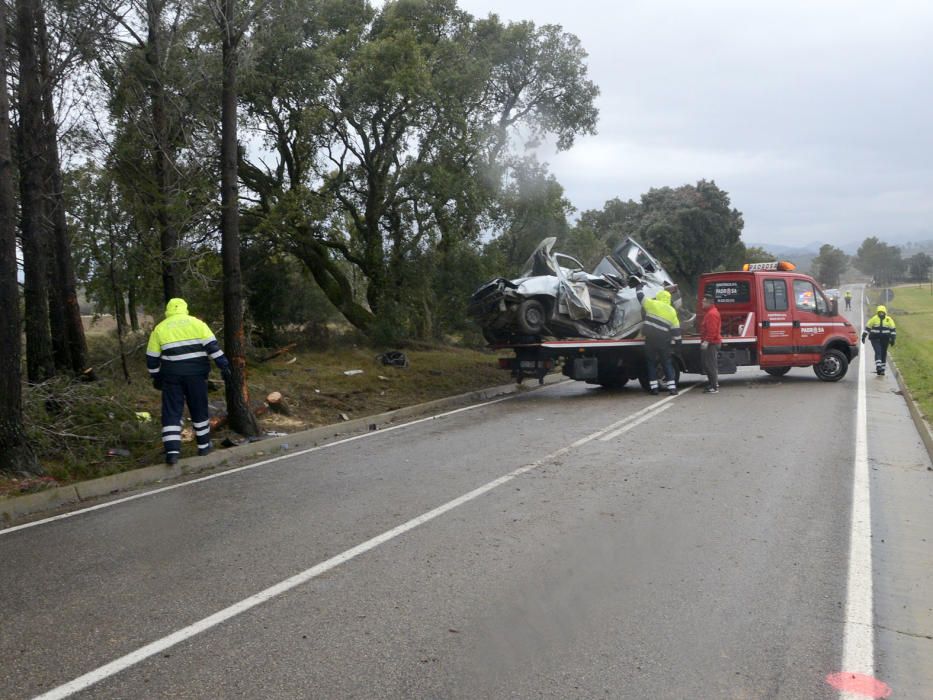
x=661, y=322
x=181, y=345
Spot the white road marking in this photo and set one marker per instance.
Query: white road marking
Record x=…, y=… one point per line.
x=858, y=634
x=616, y=433
x=153, y=648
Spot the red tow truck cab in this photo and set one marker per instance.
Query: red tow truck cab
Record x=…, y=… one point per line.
x=772, y=317
x=785, y=316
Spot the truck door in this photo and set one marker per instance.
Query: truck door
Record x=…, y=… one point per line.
x=809, y=324
x=775, y=322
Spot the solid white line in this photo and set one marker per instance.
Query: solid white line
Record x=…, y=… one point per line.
x=858, y=634
x=648, y=416
x=153, y=648
x=263, y=463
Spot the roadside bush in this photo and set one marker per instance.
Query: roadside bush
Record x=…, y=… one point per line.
x=83, y=430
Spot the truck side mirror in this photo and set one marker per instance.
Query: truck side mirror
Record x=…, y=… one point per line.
x=834, y=307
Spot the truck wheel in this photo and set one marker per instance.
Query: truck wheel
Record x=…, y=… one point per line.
x=777, y=371
x=531, y=317
x=832, y=367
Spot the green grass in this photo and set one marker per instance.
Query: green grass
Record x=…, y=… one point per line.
x=912, y=310
x=85, y=430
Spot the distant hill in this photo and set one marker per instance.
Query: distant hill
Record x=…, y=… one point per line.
x=786, y=252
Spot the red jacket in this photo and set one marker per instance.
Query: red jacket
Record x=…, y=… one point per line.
x=710, y=330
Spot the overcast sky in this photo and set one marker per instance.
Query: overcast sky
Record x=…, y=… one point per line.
x=815, y=115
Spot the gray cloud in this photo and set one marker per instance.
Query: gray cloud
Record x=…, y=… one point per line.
x=815, y=115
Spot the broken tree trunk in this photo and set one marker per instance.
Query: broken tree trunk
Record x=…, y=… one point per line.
x=277, y=404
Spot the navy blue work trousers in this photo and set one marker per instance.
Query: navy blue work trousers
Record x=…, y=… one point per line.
x=880, y=346
x=176, y=391
x=659, y=354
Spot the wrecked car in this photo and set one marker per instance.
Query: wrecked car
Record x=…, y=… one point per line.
x=556, y=297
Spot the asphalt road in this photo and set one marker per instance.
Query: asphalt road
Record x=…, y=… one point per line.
x=619, y=545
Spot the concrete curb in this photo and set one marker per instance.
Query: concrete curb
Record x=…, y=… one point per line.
x=17, y=507
x=923, y=427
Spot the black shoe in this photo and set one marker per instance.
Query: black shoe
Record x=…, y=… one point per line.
x=171, y=459
x=711, y=390
x=205, y=451
x=654, y=392
x=673, y=392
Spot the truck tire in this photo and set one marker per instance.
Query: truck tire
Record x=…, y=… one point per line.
x=612, y=382
x=531, y=317
x=777, y=371
x=832, y=367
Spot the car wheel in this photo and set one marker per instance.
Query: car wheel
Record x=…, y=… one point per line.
x=832, y=367
x=777, y=371
x=531, y=317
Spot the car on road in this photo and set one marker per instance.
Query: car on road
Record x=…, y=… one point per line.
x=555, y=296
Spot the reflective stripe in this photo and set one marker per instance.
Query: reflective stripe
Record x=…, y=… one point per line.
x=208, y=341
x=171, y=438
x=655, y=323
x=202, y=424
x=202, y=431
x=153, y=371
x=186, y=356
x=171, y=429
x=153, y=354
x=217, y=354
x=204, y=446
x=180, y=343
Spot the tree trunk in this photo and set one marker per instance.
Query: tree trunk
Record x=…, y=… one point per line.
x=240, y=417
x=333, y=282
x=39, y=361
x=131, y=302
x=63, y=282
x=162, y=158
x=15, y=452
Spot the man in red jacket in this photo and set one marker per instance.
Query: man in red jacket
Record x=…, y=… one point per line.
x=710, y=341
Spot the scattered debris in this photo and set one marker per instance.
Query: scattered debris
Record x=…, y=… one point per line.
x=143, y=416
x=274, y=433
x=351, y=372
x=394, y=358
x=118, y=452
x=344, y=416
x=372, y=426
x=385, y=379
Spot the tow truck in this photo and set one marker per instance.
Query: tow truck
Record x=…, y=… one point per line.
x=773, y=317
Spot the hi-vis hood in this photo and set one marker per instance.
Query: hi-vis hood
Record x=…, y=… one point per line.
x=881, y=310
x=663, y=296
x=176, y=307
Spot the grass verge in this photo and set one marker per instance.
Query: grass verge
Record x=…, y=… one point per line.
x=912, y=309
x=85, y=430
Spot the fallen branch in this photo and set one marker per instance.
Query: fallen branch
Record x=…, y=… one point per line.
x=280, y=351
